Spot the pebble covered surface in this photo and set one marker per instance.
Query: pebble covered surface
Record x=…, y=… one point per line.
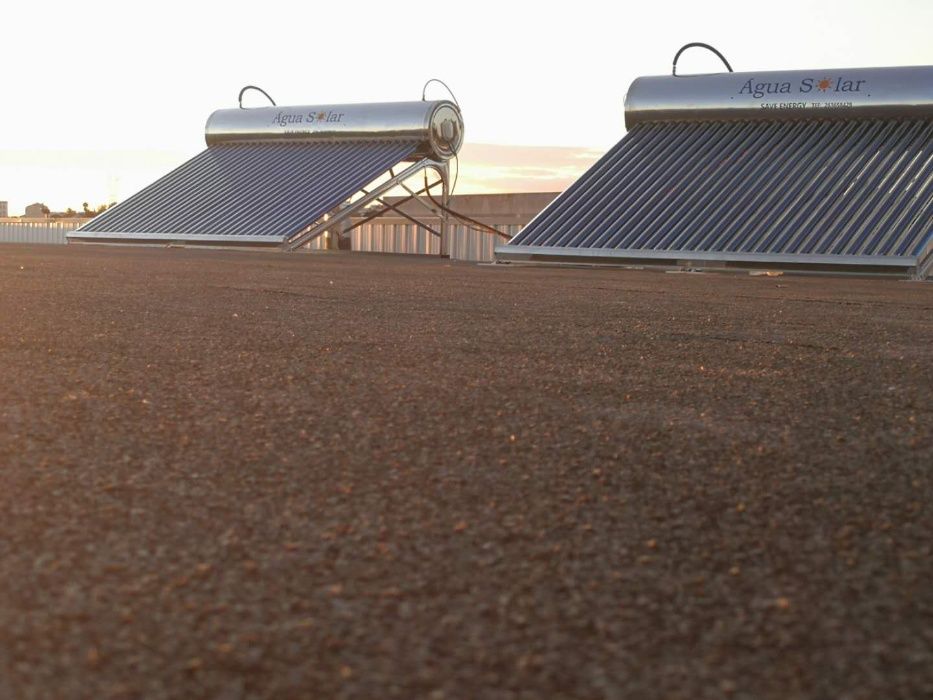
x=230, y=474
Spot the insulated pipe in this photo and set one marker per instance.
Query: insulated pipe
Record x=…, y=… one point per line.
x=437, y=125
x=835, y=93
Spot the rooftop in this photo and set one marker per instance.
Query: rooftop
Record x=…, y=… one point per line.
x=252, y=474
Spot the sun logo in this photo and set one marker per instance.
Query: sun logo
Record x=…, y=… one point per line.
x=321, y=116
x=824, y=84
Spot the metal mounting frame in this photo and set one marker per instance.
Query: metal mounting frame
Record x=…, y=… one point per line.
x=441, y=169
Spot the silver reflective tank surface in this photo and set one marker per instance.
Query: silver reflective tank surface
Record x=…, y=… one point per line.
x=842, y=93
x=437, y=126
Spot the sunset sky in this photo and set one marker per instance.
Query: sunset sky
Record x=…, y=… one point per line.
x=100, y=98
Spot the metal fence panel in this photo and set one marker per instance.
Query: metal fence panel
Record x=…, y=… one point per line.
x=465, y=243
x=36, y=231
x=476, y=245
x=394, y=238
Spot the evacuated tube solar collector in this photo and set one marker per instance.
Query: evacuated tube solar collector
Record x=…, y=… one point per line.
x=828, y=169
x=283, y=175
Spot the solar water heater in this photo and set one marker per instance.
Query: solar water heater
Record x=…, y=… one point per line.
x=282, y=176
x=820, y=170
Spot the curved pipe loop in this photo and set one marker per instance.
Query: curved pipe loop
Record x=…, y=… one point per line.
x=701, y=45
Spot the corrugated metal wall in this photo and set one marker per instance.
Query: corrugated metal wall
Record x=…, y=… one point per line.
x=319, y=243
x=394, y=238
x=36, y=231
x=471, y=244
x=465, y=243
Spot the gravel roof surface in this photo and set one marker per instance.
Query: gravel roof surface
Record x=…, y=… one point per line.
x=231, y=474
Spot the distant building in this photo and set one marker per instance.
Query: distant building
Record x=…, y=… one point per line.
x=37, y=210
x=4, y=209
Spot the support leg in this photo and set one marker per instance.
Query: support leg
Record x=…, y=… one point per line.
x=445, y=217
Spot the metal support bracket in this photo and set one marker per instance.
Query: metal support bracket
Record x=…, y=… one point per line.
x=319, y=227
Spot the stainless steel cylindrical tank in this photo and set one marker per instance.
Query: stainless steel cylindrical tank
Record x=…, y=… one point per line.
x=437, y=125
x=846, y=93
